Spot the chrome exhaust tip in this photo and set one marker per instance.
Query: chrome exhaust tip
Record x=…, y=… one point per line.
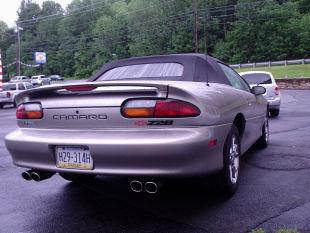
x=35, y=176
x=40, y=175
x=136, y=186
x=27, y=175
x=151, y=187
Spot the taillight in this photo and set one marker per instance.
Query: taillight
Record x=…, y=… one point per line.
x=80, y=88
x=276, y=90
x=29, y=111
x=169, y=108
x=8, y=94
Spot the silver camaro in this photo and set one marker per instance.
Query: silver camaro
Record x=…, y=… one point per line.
x=145, y=118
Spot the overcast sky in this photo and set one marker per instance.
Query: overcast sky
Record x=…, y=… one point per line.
x=8, y=9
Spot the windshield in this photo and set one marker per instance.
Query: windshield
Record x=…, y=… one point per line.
x=257, y=78
x=14, y=78
x=34, y=77
x=153, y=70
x=9, y=87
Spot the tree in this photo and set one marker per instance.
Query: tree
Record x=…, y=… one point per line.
x=262, y=32
x=89, y=33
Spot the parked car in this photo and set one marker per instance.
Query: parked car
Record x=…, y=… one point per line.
x=56, y=78
x=20, y=79
x=40, y=80
x=147, y=118
x=266, y=80
x=10, y=90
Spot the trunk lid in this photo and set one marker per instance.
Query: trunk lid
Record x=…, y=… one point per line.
x=87, y=105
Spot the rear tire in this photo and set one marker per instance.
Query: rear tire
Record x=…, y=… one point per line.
x=274, y=112
x=263, y=141
x=77, y=178
x=229, y=176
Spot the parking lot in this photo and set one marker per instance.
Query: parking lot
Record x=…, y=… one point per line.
x=274, y=191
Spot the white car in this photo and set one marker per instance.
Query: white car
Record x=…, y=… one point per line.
x=10, y=90
x=20, y=79
x=40, y=80
x=266, y=80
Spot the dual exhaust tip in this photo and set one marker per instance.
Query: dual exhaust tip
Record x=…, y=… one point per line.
x=36, y=175
x=150, y=187
x=135, y=185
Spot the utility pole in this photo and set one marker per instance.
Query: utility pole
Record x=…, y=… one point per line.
x=18, y=50
x=1, y=73
x=195, y=25
x=206, y=30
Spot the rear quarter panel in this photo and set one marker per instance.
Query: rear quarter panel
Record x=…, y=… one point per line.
x=220, y=105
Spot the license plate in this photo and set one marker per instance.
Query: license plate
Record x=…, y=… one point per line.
x=73, y=157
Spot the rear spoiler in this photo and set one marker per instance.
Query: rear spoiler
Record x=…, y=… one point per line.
x=92, y=87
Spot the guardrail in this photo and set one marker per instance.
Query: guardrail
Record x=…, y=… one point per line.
x=271, y=63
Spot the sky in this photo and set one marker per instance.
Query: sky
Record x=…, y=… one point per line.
x=8, y=9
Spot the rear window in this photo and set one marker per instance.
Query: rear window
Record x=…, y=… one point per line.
x=153, y=70
x=9, y=87
x=34, y=77
x=257, y=78
x=14, y=78
x=28, y=86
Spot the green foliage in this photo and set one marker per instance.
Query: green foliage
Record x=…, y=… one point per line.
x=89, y=33
x=149, y=28
x=260, y=230
x=271, y=31
x=286, y=231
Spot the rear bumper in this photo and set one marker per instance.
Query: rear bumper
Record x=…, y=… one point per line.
x=6, y=101
x=274, y=103
x=172, y=152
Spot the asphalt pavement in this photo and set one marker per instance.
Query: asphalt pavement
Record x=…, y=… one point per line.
x=274, y=191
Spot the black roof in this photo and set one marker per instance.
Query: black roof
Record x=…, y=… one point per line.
x=197, y=67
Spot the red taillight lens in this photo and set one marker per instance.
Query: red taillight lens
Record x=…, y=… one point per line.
x=75, y=88
x=159, y=109
x=29, y=111
x=276, y=90
x=8, y=94
x=175, y=108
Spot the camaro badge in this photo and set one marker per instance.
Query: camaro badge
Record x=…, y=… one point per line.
x=80, y=117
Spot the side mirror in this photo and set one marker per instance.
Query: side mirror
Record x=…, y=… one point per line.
x=258, y=90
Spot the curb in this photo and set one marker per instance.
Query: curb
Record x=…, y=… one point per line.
x=294, y=83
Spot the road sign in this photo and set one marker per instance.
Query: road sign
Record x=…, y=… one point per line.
x=40, y=57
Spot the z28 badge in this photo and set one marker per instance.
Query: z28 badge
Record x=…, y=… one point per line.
x=147, y=123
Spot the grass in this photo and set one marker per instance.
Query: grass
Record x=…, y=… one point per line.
x=290, y=71
x=260, y=230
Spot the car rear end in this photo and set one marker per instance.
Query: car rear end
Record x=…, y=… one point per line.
x=116, y=128
x=7, y=93
x=15, y=79
x=36, y=81
x=266, y=80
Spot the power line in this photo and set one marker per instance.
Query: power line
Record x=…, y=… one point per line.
x=35, y=20
x=203, y=10
x=94, y=45
x=177, y=18
x=124, y=29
